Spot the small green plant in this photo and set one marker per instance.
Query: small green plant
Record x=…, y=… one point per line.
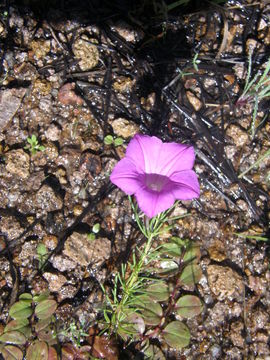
x=75, y=333
x=95, y=230
x=255, y=90
x=141, y=306
x=31, y=330
x=42, y=254
x=110, y=140
x=33, y=146
x=196, y=61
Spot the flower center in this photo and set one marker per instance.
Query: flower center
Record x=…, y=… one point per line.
x=155, y=182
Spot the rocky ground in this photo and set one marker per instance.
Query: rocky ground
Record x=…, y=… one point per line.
x=73, y=74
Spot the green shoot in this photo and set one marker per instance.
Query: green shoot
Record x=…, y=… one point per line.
x=264, y=156
x=256, y=89
x=33, y=145
x=42, y=254
x=110, y=140
x=95, y=230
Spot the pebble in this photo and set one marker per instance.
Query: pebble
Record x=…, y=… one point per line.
x=62, y=263
x=217, y=251
x=67, y=95
x=53, y=132
x=194, y=101
x=47, y=200
x=225, y=283
x=86, y=252
x=10, y=101
x=11, y=232
x=124, y=128
x=40, y=48
x=239, y=136
x=55, y=281
x=50, y=241
x=86, y=53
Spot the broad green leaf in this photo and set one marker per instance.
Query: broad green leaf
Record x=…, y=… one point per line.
x=108, y=140
x=96, y=228
x=180, y=242
x=26, y=297
x=41, y=297
x=45, y=309
x=37, y=351
x=159, y=291
x=91, y=236
x=132, y=326
x=153, y=352
x=26, y=331
x=189, y=306
x=118, y=141
x=16, y=325
x=176, y=335
x=192, y=253
x=151, y=311
x=47, y=335
x=11, y=352
x=152, y=314
x=171, y=249
x=42, y=324
x=42, y=250
x=191, y=274
x=167, y=268
x=20, y=310
x=13, y=337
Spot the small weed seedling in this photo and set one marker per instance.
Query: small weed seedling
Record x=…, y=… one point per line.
x=42, y=255
x=33, y=145
x=75, y=333
x=95, y=230
x=110, y=140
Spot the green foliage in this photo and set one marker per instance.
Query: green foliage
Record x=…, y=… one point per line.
x=142, y=304
x=110, y=140
x=31, y=327
x=255, y=90
x=195, y=61
x=188, y=306
x=176, y=335
x=42, y=254
x=95, y=230
x=33, y=146
x=74, y=333
x=255, y=164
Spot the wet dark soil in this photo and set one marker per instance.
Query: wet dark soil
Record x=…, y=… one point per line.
x=71, y=74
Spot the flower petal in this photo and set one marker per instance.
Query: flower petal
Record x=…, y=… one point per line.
x=145, y=152
x=175, y=157
x=153, y=202
x=126, y=176
x=151, y=155
x=185, y=185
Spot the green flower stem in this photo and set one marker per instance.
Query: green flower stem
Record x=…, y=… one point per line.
x=130, y=284
x=135, y=273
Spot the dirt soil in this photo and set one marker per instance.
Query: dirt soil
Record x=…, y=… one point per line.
x=74, y=73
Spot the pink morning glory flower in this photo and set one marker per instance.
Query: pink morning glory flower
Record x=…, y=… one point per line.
x=157, y=173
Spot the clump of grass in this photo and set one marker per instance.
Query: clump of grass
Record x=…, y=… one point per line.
x=256, y=89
